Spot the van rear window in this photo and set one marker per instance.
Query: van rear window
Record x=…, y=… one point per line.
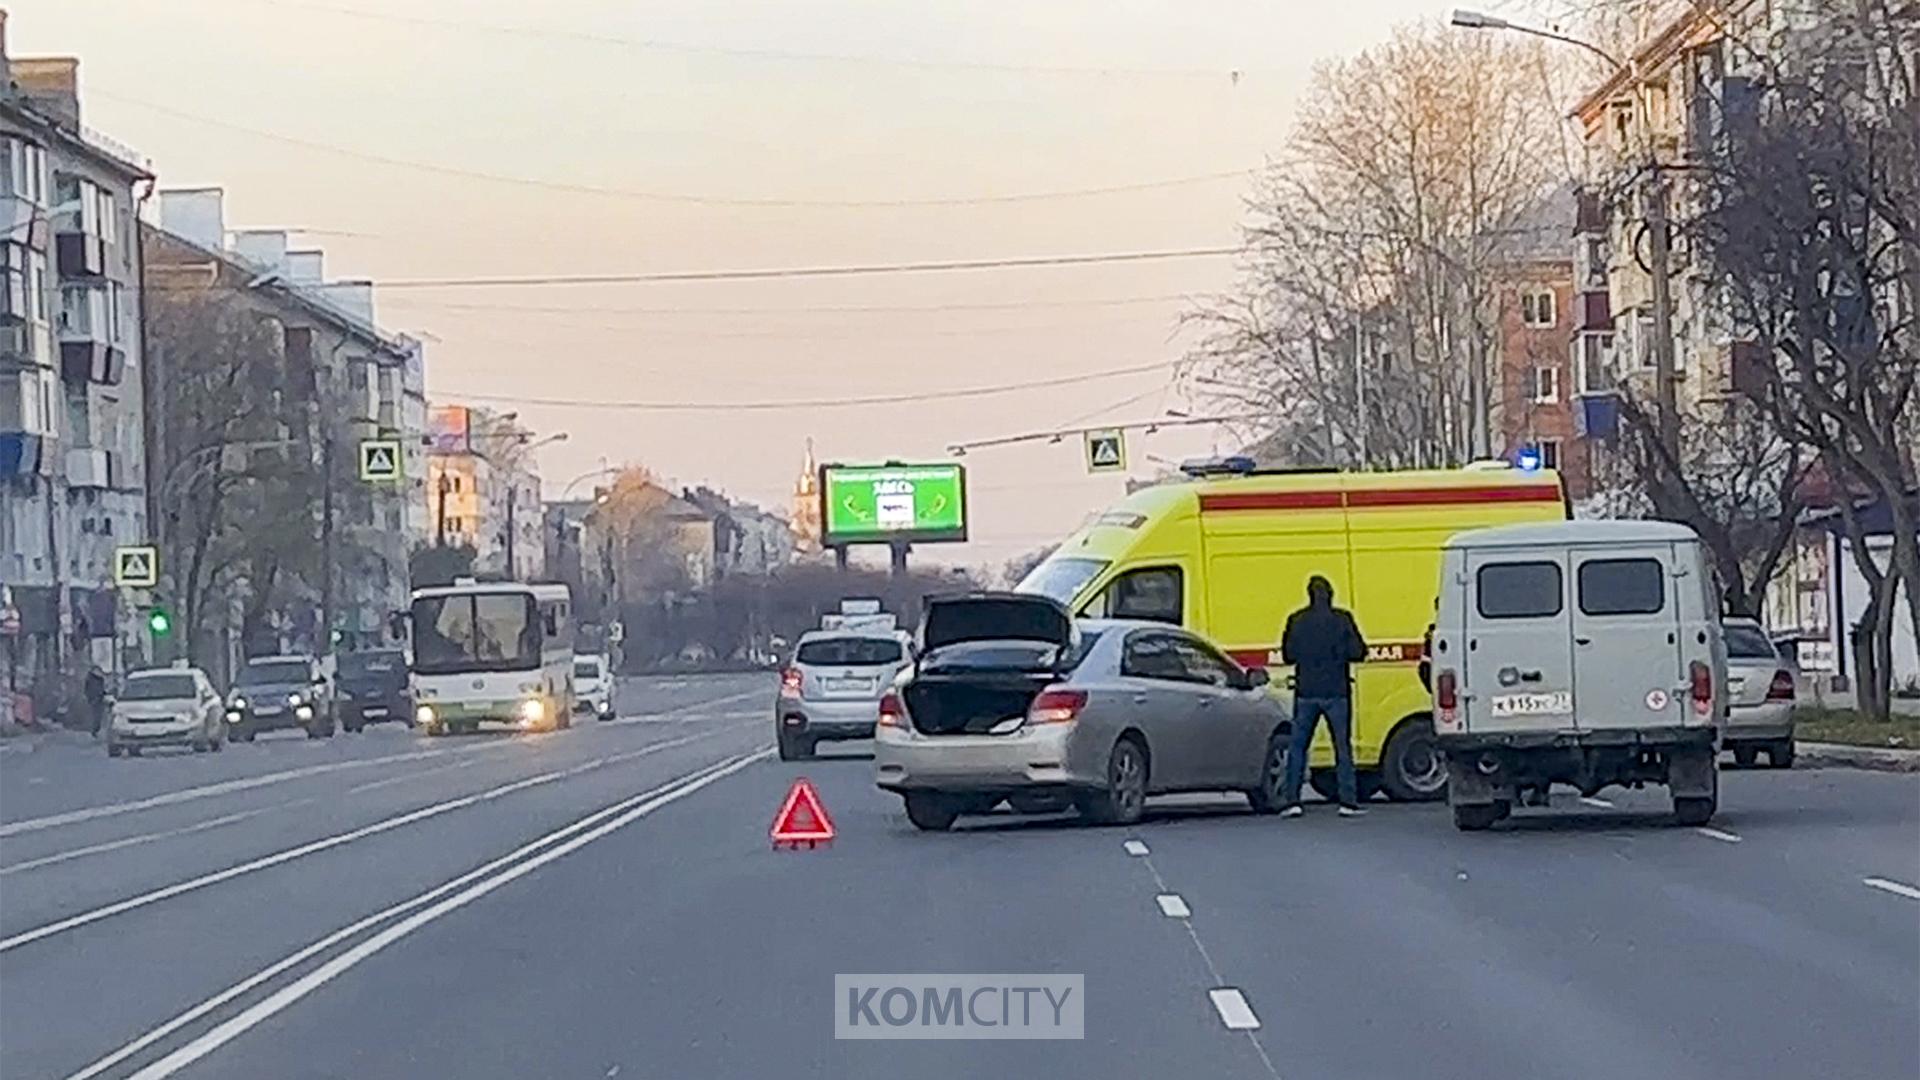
x=1622, y=587
x=1519, y=590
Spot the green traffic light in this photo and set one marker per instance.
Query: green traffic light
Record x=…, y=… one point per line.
x=159, y=621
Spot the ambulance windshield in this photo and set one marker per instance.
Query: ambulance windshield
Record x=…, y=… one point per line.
x=1061, y=579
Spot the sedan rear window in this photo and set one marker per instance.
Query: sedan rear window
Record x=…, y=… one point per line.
x=1519, y=590
x=848, y=652
x=1749, y=643
x=586, y=669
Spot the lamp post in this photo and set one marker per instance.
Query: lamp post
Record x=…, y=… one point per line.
x=513, y=499
x=1654, y=197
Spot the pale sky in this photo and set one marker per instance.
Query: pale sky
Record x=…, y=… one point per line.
x=837, y=100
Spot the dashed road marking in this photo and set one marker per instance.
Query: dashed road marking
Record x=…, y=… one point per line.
x=1234, y=1011
x=1135, y=848
x=145, y=838
x=1721, y=835
x=1601, y=804
x=1893, y=887
x=1172, y=906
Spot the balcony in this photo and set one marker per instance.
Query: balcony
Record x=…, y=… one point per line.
x=91, y=467
x=21, y=453
x=80, y=254
x=90, y=349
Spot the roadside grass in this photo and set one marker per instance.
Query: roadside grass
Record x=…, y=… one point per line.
x=1849, y=727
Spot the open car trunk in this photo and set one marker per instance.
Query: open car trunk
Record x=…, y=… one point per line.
x=972, y=702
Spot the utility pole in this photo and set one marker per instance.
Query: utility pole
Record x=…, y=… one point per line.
x=1660, y=243
x=325, y=645
x=440, y=515
x=513, y=491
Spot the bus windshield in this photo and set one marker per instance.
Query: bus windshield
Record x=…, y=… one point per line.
x=475, y=632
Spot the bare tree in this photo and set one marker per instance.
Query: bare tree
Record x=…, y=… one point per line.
x=1364, y=320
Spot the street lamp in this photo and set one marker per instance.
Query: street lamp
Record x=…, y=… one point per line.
x=1653, y=197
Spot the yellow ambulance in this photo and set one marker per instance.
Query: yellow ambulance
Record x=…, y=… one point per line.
x=1228, y=553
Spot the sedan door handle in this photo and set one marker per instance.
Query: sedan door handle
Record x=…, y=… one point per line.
x=1206, y=703
x=1139, y=699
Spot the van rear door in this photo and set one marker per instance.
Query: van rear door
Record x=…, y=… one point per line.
x=1626, y=637
x=1519, y=673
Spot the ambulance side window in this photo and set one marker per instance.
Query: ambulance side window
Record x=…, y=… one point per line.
x=1152, y=593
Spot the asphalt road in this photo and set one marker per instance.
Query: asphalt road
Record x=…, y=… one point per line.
x=603, y=902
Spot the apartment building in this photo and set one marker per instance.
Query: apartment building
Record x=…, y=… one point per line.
x=1535, y=305
x=483, y=489
x=331, y=381
x=73, y=462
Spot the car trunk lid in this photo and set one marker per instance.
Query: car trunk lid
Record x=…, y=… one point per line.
x=994, y=617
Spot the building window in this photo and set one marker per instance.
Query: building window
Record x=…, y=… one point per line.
x=1643, y=340
x=1549, y=453
x=24, y=175
x=1546, y=384
x=1537, y=308
x=1593, y=363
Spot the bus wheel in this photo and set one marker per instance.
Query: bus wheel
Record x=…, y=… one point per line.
x=1412, y=768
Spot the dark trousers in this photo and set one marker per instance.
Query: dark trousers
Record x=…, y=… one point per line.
x=1307, y=713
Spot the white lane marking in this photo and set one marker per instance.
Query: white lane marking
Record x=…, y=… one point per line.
x=144, y=838
x=1135, y=848
x=1234, y=1011
x=1602, y=804
x=342, y=934
x=1172, y=906
x=1721, y=835
x=403, y=778
x=267, y=1007
x=225, y=787
x=328, y=842
x=1893, y=887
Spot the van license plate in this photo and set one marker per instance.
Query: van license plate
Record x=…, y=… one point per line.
x=1533, y=704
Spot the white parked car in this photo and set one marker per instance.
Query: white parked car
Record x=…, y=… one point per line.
x=167, y=707
x=593, y=686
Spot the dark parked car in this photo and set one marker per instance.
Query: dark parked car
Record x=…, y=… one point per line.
x=373, y=687
x=275, y=692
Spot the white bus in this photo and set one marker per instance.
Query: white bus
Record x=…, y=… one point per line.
x=492, y=651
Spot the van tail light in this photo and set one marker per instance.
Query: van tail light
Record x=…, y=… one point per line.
x=790, y=681
x=892, y=713
x=1056, y=706
x=1446, y=696
x=1701, y=683
x=1781, y=688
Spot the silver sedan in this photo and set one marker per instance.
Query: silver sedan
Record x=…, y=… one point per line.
x=1762, y=687
x=1012, y=700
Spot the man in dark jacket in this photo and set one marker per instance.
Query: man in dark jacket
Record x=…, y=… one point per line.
x=1322, y=643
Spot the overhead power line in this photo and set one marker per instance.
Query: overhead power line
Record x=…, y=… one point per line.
x=411, y=302
x=781, y=272
x=672, y=196
x=1227, y=74
x=803, y=403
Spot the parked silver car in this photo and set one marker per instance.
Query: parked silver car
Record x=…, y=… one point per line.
x=167, y=707
x=1012, y=700
x=832, y=690
x=1761, y=690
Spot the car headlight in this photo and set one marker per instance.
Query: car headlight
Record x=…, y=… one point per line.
x=423, y=715
x=233, y=716
x=304, y=712
x=532, y=711
x=239, y=703
x=296, y=700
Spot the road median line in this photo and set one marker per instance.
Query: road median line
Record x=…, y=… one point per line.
x=264, y=862
x=464, y=890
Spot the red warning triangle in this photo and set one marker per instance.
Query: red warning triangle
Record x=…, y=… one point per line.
x=802, y=819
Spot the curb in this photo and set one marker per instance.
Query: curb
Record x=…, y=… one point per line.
x=1838, y=755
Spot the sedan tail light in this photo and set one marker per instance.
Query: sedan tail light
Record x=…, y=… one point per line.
x=1056, y=706
x=1700, y=682
x=790, y=681
x=1781, y=688
x=892, y=713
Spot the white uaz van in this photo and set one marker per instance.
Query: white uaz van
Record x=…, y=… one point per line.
x=1586, y=653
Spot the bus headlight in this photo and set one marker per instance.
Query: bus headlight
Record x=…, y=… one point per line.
x=532, y=711
x=423, y=715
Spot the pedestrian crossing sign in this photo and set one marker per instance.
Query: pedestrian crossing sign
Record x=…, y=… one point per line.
x=379, y=459
x=136, y=567
x=1107, y=451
